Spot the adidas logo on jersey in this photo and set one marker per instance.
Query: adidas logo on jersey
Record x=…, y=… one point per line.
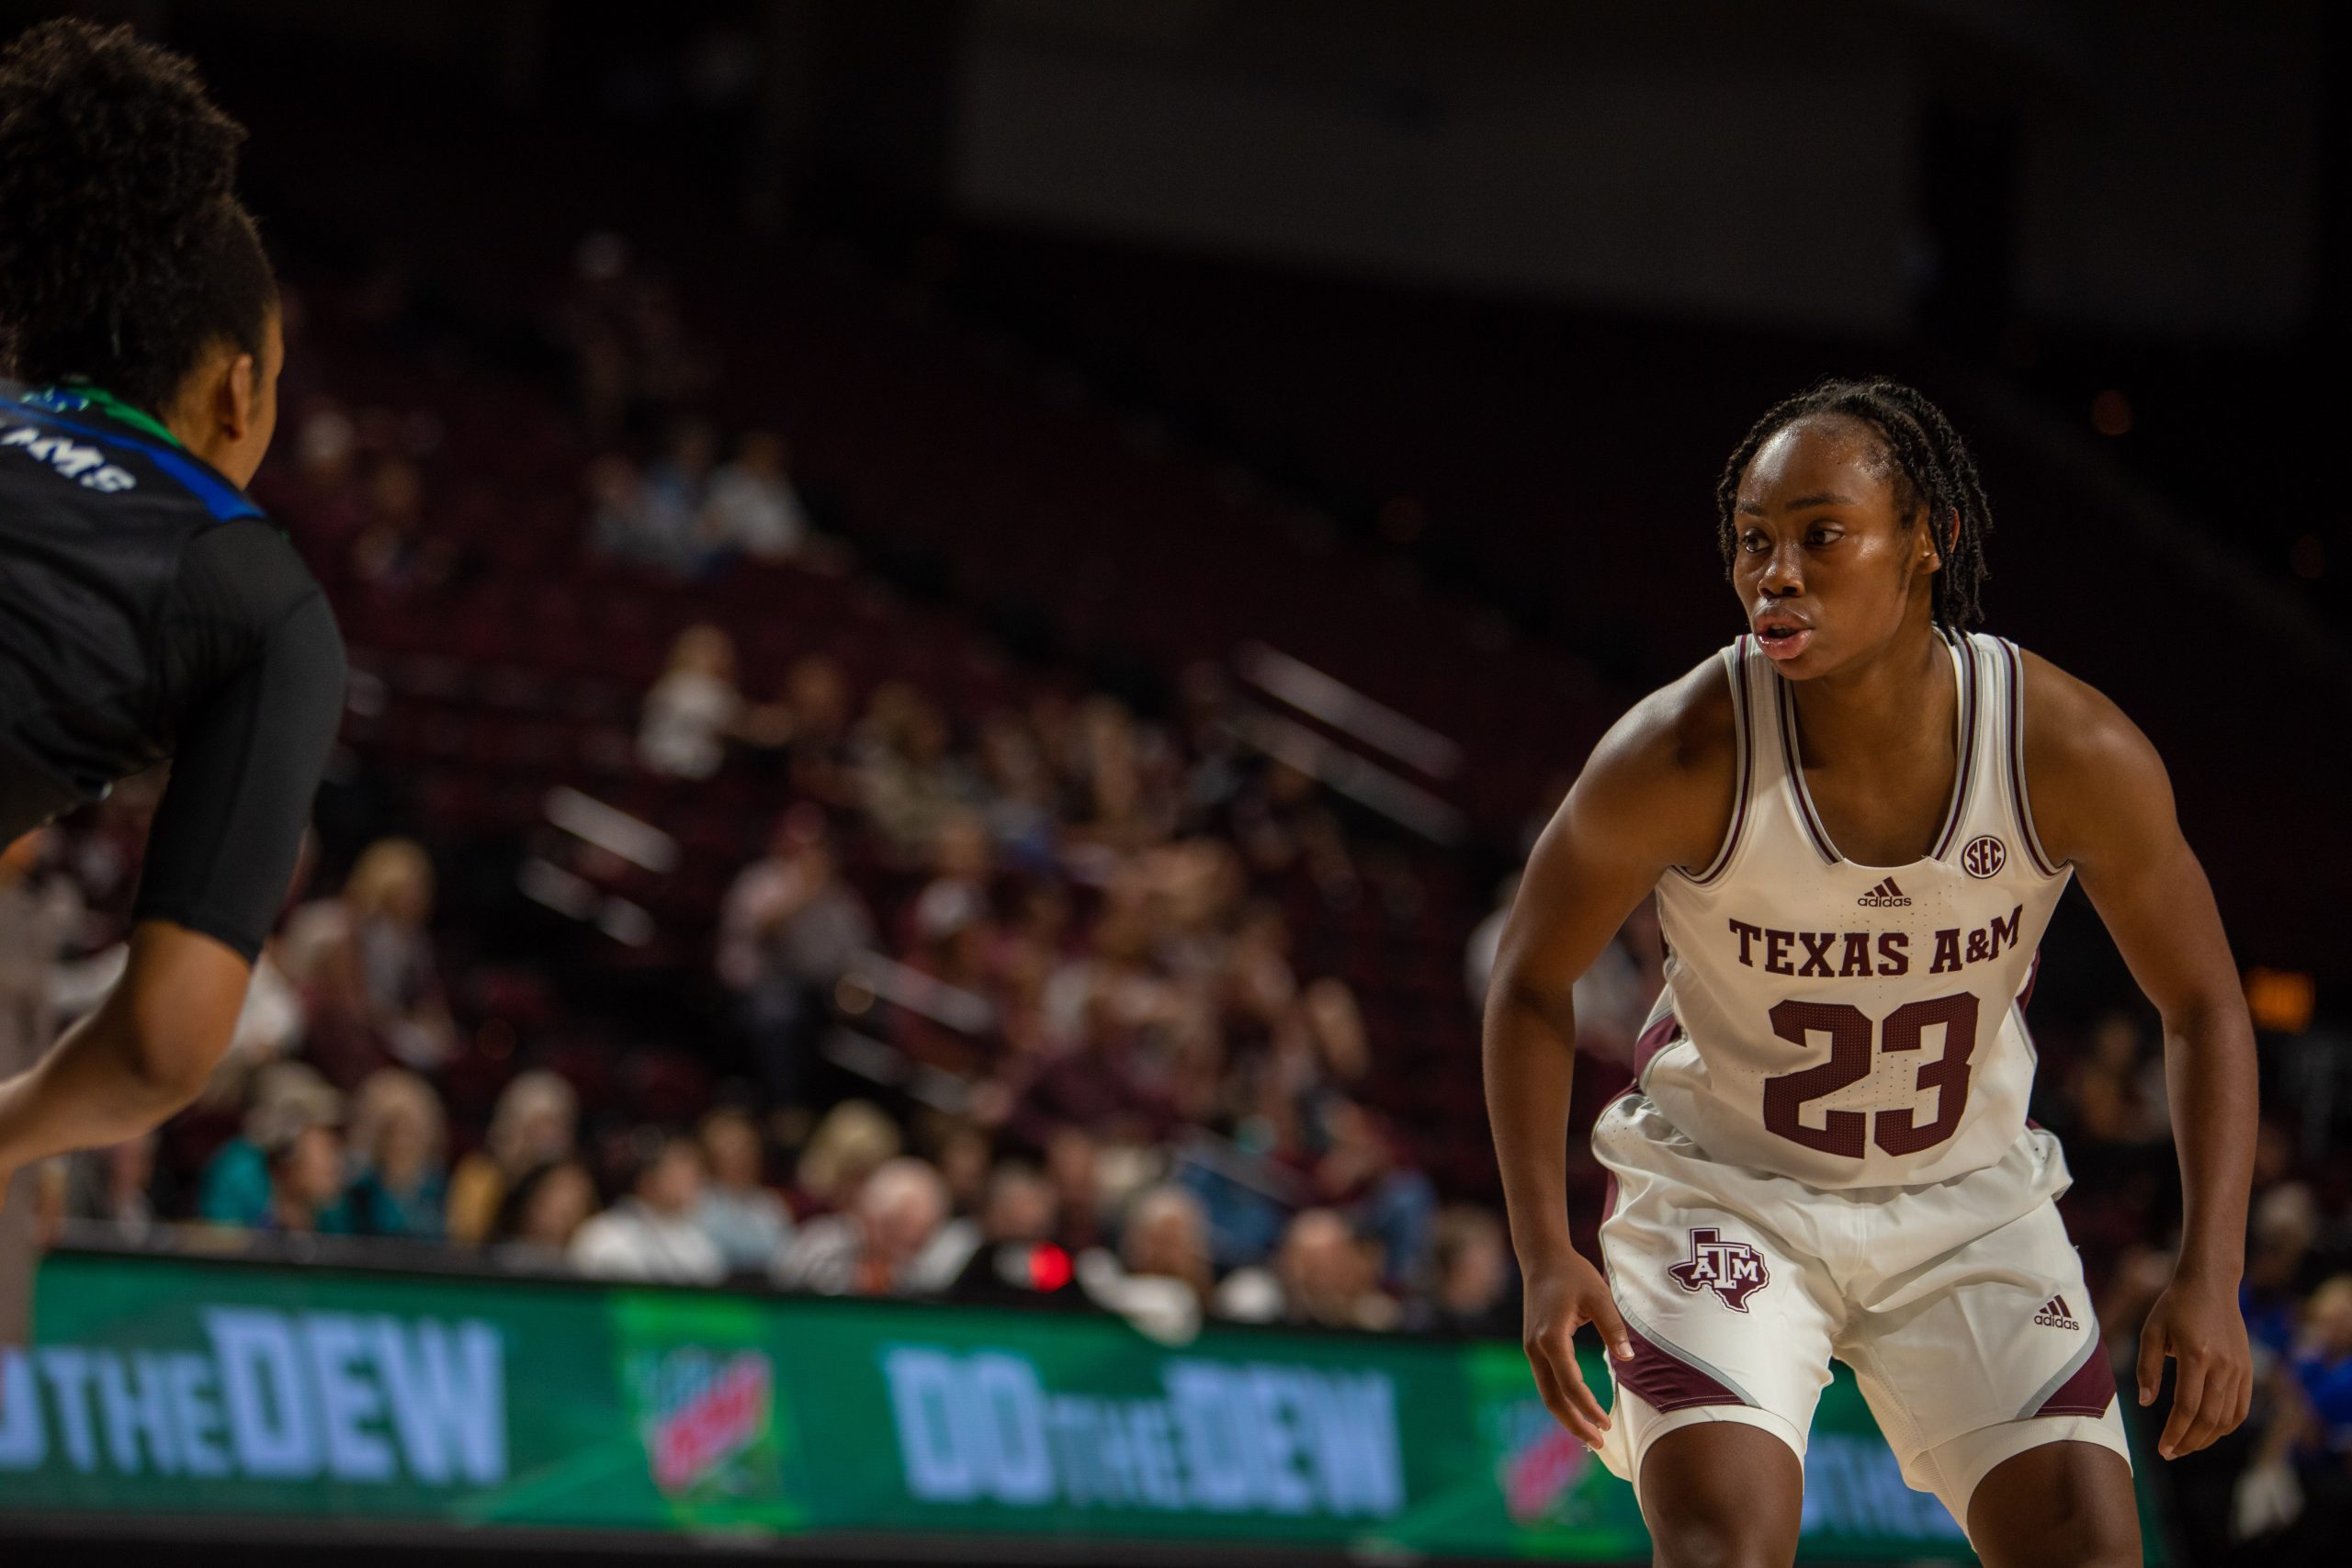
x=1886, y=895
x=2054, y=1315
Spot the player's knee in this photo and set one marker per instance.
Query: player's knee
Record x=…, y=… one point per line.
x=1713, y=1538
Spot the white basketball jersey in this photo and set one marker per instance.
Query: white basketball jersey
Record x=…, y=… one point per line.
x=1855, y=1025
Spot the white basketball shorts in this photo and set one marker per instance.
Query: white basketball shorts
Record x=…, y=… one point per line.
x=1959, y=1305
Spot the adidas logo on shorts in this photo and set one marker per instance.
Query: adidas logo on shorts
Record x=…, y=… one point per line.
x=1886, y=895
x=2054, y=1315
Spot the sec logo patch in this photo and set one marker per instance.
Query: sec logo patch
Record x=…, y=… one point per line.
x=1985, y=856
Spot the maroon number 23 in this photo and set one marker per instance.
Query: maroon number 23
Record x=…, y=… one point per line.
x=1850, y=1033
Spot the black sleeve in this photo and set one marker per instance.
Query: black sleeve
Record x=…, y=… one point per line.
x=251, y=741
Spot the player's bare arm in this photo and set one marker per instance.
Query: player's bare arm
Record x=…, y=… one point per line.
x=1657, y=792
x=141, y=1055
x=2102, y=800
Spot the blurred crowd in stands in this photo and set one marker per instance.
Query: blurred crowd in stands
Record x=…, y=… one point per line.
x=1002, y=1004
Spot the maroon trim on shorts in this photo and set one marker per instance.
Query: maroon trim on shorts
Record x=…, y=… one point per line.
x=1652, y=1040
x=1666, y=1380
x=2087, y=1393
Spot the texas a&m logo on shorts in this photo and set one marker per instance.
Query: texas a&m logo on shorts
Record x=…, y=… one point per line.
x=1733, y=1270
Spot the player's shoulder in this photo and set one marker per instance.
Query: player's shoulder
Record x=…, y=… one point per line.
x=1673, y=754
x=1689, y=725
x=2090, y=773
x=2073, y=732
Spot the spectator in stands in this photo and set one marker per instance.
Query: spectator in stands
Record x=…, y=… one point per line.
x=652, y=1234
x=541, y=1215
x=752, y=506
x=818, y=759
x=365, y=958
x=788, y=929
x=393, y=549
x=695, y=710
x=2321, y=1369
x=236, y=1188
x=2119, y=1134
x=398, y=1135
x=1469, y=1275
x=1166, y=1236
x=1322, y=1277
x=878, y=1248
x=1073, y=1163
x=2115, y=1093
x=1021, y=813
x=113, y=1186
x=2284, y=1224
x=625, y=525
x=677, y=484
x=309, y=1187
x=321, y=494
x=909, y=780
x=270, y=1027
x=1016, y=1206
x=38, y=911
x=852, y=1140
x=740, y=1213
x=1487, y=940
x=1390, y=1204
x=533, y=1124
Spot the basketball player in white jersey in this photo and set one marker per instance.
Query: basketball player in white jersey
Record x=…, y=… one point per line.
x=1856, y=821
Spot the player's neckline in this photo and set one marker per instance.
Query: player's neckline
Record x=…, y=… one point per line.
x=1963, y=662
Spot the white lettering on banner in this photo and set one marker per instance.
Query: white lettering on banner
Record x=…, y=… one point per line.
x=346, y=1402
x=1208, y=1433
x=24, y=1443
x=196, y=1413
x=134, y=1401
x=1012, y=1407
x=273, y=1426
x=449, y=1397
x=939, y=1468
x=1226, y=1438
x=278, y=1397
x=68, y=1371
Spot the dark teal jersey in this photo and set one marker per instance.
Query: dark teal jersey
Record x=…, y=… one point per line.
x=148, y=611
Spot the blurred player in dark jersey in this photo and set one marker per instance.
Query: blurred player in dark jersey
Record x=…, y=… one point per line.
x=148, y=610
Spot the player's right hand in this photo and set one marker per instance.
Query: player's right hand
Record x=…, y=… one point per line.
x=1561, y=1297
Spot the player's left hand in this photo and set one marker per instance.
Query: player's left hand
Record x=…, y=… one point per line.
x=2196, y=1322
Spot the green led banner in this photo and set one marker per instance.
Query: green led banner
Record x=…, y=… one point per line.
x=165, y=1387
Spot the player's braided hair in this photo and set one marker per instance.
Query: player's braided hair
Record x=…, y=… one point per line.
x=124, y=254
x=1931, y=470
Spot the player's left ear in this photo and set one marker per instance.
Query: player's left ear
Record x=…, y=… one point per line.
x=1931, y=555
x=240, y=396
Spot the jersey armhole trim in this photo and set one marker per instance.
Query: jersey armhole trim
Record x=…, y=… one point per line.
x=1965, y=646
x=2032, y=841
x=1736, y=665
x=1794, y=762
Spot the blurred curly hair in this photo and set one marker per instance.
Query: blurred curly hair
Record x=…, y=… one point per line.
x=124, y=253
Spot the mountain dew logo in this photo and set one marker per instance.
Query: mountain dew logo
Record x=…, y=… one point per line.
x=702, y=1412
x=1554, y=1493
